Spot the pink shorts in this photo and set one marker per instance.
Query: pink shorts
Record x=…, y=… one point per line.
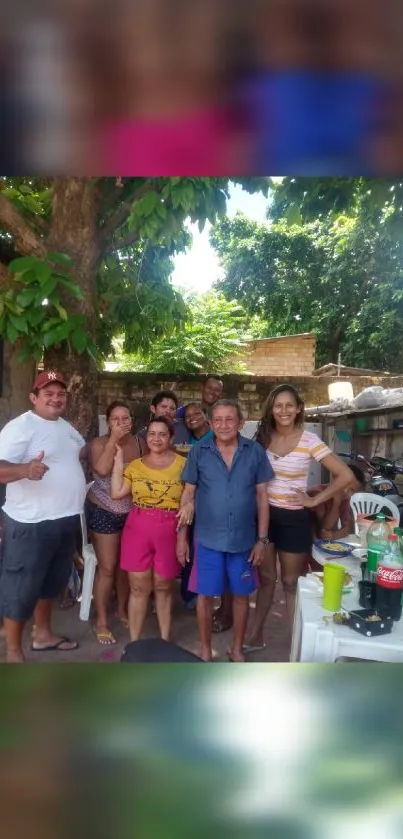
x=149, y=542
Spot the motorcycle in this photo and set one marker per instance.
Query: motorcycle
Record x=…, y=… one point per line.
x=381, y=475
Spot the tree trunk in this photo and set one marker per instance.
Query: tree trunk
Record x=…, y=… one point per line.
x=16, y=384
x=74, y=231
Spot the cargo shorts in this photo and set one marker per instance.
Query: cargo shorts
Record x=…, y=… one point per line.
x=35, y=563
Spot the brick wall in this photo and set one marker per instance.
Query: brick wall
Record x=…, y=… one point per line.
x=291, y=355
x=251, y=391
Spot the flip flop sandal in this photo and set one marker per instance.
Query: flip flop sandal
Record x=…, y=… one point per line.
x=219, y=625
x=106, y=639
x=56, y=647
x=254, y=648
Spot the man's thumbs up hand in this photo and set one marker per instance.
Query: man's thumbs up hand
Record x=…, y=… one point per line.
x=37, y=469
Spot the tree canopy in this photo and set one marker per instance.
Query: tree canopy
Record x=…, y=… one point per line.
x=100, y=253
x=329, y=260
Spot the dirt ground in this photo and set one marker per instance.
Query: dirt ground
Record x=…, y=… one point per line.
x=184, y=633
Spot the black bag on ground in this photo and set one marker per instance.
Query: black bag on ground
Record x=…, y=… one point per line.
x=156, y=651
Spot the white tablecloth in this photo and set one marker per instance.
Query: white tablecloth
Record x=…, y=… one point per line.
x=316, y=641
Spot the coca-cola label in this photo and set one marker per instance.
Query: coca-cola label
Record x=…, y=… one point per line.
x=389, y=577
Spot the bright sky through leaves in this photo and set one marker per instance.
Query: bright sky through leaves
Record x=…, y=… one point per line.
x=198, y=268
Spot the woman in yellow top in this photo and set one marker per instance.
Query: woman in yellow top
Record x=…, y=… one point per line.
x=148, y=546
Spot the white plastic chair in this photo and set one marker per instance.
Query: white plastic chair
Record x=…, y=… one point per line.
x=90, y=565
x=367, y=503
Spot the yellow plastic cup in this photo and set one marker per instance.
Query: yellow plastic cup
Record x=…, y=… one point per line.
x=333, y=582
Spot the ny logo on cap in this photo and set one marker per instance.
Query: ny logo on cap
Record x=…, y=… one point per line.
x=52, y=376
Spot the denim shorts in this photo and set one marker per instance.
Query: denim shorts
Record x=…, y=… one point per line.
x=35, y=563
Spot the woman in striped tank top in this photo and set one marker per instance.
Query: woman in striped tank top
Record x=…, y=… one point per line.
x=106, y=518
x=290, y=449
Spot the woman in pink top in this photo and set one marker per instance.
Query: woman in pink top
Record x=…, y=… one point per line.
x=290, y=450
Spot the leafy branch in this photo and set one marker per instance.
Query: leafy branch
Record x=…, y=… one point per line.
x=31, y=312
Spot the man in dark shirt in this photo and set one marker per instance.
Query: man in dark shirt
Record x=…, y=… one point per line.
x=165, y=404
x=227, y=476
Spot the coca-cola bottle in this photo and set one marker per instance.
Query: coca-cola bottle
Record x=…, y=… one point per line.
x=389, y=581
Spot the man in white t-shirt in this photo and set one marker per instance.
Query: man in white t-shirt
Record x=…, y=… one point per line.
x=40, y=463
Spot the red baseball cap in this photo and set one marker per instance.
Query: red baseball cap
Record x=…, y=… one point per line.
x=48, y=378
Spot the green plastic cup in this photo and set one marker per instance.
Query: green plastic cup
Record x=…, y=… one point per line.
x=333, y=582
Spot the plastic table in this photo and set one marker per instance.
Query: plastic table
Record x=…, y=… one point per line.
x=313, y=640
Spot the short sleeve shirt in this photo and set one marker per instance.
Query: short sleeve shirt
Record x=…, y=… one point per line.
x=156, y=488
x=226, y=508
x=61, y=491
x=292, y=471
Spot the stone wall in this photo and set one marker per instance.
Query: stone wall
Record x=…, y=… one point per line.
x=290, y=355
x=139, y=388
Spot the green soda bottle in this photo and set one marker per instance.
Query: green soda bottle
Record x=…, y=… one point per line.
x=377, y=540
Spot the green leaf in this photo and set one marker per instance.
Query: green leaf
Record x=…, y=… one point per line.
x=25, y=297
x=293, y=216
x=72, y=287
x=33, y=205
x=42, y=271
x=48, y=288
x=148, y=203
x=20, y=323
x=62, y=258
x=56, y=334
x=79, y=341
x=11, y=332
x=62, y=311
x=63, y=330
x=50, y=323
x=29, y=277
x=36, y=316
x=10, y=192
x=12, y=306
x=50, y=338
x=22, y=264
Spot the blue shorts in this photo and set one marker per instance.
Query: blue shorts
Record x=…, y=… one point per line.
x=215, y=572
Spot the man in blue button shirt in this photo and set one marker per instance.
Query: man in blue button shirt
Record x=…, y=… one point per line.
x=227, y=477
